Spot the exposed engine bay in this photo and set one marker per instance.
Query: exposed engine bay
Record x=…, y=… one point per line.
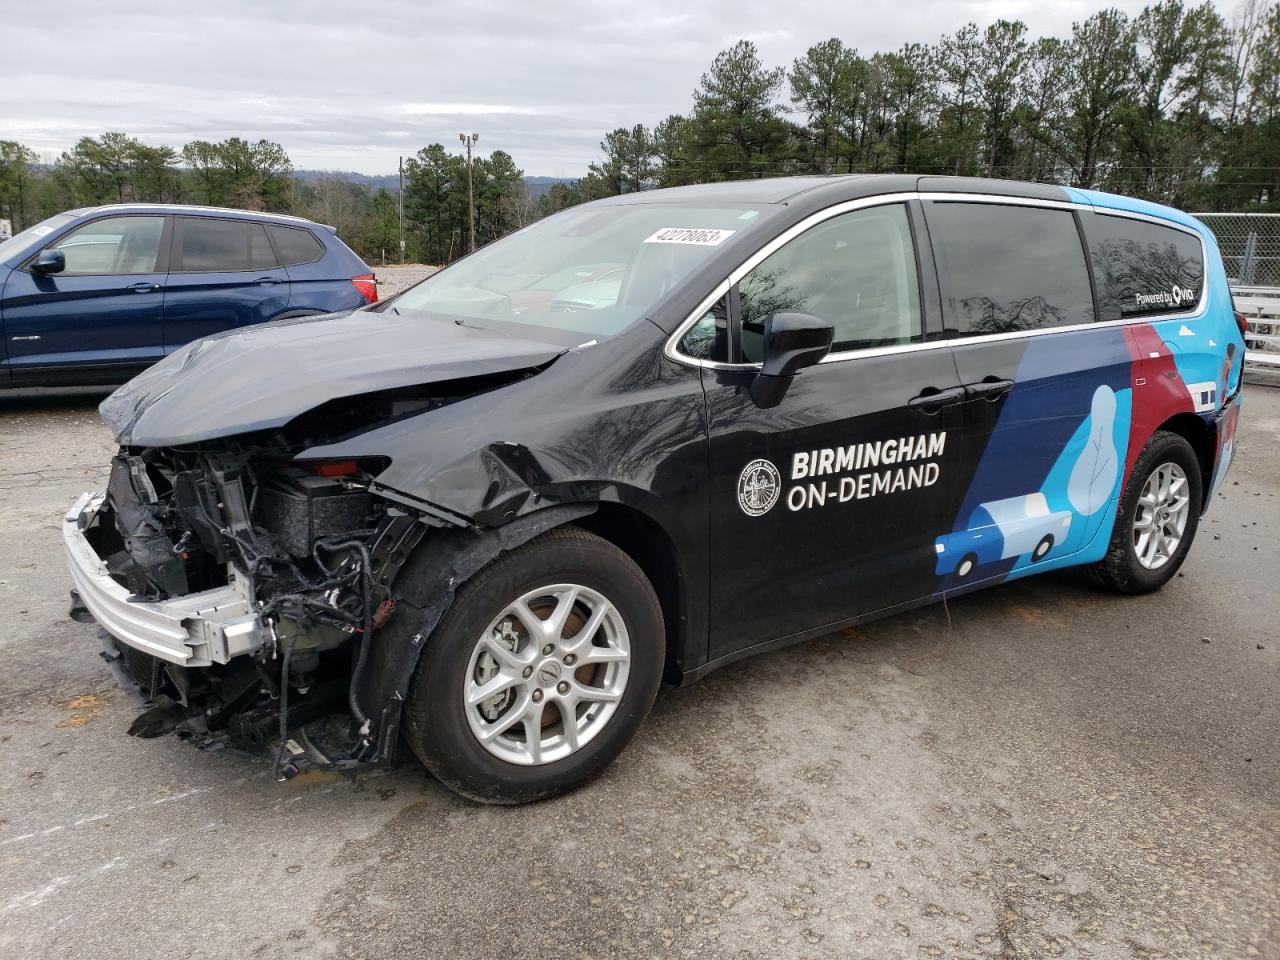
x=273, y=552
x=241, y=578
x=316, y=554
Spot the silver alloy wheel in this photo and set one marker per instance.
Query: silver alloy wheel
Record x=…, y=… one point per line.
x=563, y=646
x=1161, y=517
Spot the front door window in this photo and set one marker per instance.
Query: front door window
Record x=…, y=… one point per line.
x=115, y=245
x=856, y=270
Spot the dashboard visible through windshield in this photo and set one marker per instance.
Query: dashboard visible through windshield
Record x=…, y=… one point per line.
x=590, y=270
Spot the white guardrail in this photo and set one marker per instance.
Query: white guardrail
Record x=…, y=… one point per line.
x=1261, y=307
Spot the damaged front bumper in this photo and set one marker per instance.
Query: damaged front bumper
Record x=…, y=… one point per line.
x=196, y=630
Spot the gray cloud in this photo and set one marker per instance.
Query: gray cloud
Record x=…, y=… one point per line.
x=351, y=87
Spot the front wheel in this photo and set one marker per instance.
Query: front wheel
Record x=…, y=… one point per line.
x=1157, y=519
x=540, y=673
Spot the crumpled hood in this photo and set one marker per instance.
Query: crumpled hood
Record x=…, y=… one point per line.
x=262, y=377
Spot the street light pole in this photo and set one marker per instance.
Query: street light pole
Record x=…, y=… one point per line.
x=469, y=140
x=401, y=198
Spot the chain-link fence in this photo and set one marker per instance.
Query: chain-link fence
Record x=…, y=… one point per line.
x=1250, y=245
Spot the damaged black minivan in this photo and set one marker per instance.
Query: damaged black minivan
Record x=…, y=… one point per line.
x=487, y=517
x=457, y=519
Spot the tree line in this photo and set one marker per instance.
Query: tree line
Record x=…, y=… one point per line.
x=1177, y=104
x=118, y=168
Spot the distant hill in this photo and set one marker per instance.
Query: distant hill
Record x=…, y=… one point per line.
x=380, y=181
x=540, y=185
x=391, y=181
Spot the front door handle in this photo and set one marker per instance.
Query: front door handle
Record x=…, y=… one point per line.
x=988, y=389
x=930, y=400
x=144, y=287
x=266, y=281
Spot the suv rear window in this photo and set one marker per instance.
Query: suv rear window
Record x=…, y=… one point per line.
x=209, y=245
x=1005, y=268
x=295, y=245
x=1144, y=268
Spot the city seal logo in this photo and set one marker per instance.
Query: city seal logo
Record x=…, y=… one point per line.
x=759, y=486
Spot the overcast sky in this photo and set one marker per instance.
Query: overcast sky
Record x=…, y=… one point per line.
x=353, y=86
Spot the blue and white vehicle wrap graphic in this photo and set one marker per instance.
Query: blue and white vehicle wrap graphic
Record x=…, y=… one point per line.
x=1046, y=490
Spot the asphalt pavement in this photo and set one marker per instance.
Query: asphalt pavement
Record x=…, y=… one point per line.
x=1038, y=770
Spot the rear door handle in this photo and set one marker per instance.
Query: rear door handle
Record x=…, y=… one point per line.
x=266, y=281
x=988, y=389
x=144, y=287
x=931, y=399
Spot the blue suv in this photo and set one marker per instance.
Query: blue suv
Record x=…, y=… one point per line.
x=92, y=296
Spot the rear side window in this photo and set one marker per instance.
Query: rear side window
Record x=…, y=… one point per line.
x=1004, y=269
x=295, y=245
x=212, y=246
x=1143, y=268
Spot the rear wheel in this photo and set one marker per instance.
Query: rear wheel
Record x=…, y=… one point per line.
x=1158, y=517
x=541, y=671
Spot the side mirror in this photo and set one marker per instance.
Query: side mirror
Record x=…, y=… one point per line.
x=792, y=341
x=49, y=261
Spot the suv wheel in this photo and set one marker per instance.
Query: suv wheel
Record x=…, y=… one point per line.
x=1157, y=520
x=541, y=671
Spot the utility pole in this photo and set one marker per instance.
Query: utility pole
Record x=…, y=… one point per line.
x=469, y=140
x=402, y=210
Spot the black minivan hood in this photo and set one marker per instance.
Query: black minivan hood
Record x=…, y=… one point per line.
x=262, y=377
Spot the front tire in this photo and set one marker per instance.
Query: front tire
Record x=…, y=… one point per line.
x=1157, y=519
x=540, y=673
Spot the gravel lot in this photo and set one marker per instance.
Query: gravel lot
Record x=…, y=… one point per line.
x=395, y=278
x=1044, y=771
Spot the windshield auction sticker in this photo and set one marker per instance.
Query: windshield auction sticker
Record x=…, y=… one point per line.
x=693, y=236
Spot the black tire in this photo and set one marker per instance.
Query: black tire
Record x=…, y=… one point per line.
x=436, y=725
x=1120, y=569
x=1042, y=548
x=971, y=561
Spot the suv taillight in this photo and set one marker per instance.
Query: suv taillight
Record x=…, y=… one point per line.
x=368, y=287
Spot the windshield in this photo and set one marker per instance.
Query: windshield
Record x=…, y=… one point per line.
x=568, y=277
x=591, y=270
x=30, y=238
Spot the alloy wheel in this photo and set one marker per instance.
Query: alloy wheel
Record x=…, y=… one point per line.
x=547, y=675
x=1161, y=518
